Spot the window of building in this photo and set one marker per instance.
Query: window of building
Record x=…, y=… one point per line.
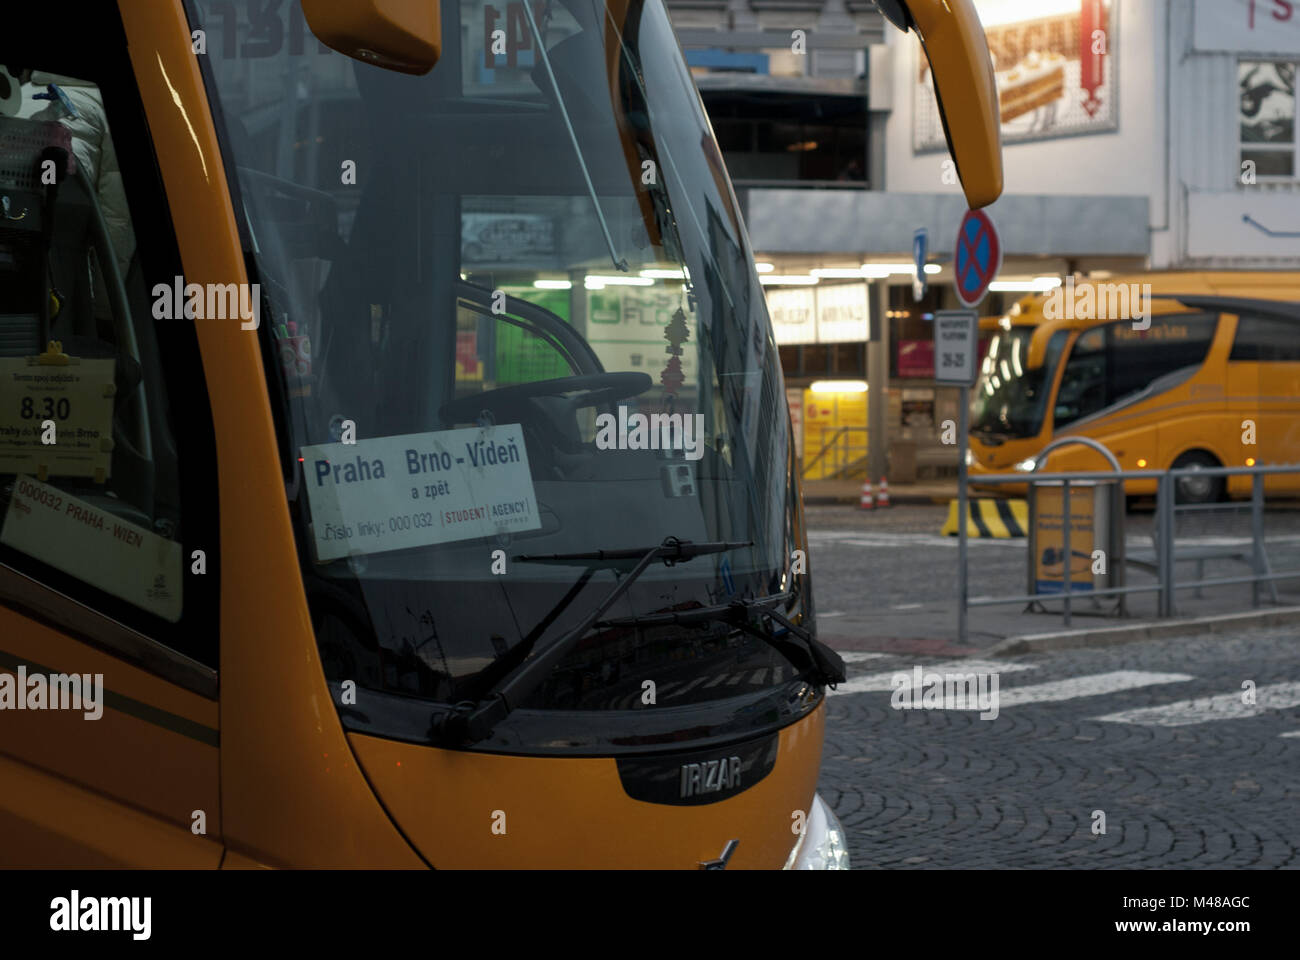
x=767, y=136
x=1266, y=111
x=107, y=472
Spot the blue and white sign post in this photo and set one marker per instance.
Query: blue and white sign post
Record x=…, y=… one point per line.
x=956, y=345
x=975, y=262
x=977, y=258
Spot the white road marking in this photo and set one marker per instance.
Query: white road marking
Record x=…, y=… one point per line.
x=1225, y=706
x=758, y=676
x=829, y=614
x=914, y=540
x=876, y=682
x=907, y=606
x=911, y=540
x=715, y=681
x=1090, y=686
x=1293, y=733
x=691, y=684
x=859, y=656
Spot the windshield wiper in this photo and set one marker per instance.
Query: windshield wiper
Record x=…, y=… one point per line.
x=825, y=665
x=473, y=721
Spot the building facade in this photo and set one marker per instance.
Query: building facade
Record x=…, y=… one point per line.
x=1137, y=134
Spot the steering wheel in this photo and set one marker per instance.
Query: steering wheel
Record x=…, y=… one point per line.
x=593, y=388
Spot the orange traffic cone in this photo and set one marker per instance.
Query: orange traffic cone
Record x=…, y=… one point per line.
x=865, y=501
x=882, y=498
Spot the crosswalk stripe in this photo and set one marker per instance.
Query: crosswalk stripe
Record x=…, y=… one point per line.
x=858, y=656
x=1093, y=685
x=1293, y=733
x=882, y=538
x=874, y=682
x=1225, y=706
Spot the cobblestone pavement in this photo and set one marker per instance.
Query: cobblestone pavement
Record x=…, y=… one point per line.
x=1154, y=735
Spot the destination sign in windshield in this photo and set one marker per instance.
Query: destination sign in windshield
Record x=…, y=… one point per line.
x=391, y=493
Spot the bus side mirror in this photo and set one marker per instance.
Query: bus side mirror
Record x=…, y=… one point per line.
x=401, y=35
x=964, y=88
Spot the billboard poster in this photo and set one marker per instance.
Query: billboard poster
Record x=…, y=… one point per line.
x=1055, y=68
x=916, y=359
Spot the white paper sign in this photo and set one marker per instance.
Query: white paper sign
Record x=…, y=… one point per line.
x=95, y=546
x=954, y=346
x=391, y=493
x=77, y=397
x=842, y=313
x=793, y=313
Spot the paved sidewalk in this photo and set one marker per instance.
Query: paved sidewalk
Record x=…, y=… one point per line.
x=886, y=581
x=932, y=628
x=826, y=492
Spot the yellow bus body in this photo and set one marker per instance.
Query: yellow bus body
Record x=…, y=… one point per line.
x=250, y=766
x=1208, y=412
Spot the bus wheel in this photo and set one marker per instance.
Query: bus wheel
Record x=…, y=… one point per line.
x=1193, y=489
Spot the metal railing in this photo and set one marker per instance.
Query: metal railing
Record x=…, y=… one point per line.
x=1165, y=540
x=839, y=451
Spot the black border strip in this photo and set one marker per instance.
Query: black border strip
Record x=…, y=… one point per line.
x=77, y=621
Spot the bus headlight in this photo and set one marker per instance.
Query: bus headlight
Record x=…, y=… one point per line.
x=822, y=844
x=971, y=459
x=1025, y=466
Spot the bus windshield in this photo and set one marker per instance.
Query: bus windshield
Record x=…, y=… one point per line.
x=1010, y=398
x=510, y=312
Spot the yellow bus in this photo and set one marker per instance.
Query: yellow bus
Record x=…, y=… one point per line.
x=1175, y=369
x=395, y=465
